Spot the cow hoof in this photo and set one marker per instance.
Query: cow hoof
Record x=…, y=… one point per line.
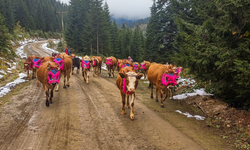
x=156, y=100
x=152, y=97
x=67, y=85
x=128, y=107
x=64, y=87
x=132, y=117
x=56, y=90
x=51, y=102
x=162, y=106
x=123, y=112
x=47, y=103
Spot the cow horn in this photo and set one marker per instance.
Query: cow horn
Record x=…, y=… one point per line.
x=58, y=68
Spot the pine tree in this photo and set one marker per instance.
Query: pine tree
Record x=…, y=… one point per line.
x=215, y=46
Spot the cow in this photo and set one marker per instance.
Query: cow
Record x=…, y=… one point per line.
x=164, y=78
x=125, y=63
x=96, y=64
x=76, y=63
x=136, y=66
x=28, y=65
x=127, y=82
x=49, y=75
x=65, y=64
x=86, y=61
x=36, y=64
x=111, y=62
x=145, y=66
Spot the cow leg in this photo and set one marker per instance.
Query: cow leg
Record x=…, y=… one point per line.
x=33, y=71
x=113, y=71
x=68, y=76
x=100, y=69
x=73, y=70
x=123, y=102
x=128, y=105
x=146, y=75
x=47, y=95
x=28, y=74
x=159, y=89
x=51, y=94
x=132, y=115
x=151, y=88
x=109, y=71
x=37, y=83
x=156, y=93
x=87, y=77
x=64, y=79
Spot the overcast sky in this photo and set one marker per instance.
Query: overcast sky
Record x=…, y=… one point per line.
x=129, y=9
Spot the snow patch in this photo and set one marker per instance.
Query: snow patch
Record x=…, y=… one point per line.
x=200, y=92
x=104, y=66
x=1, y=76
x=197, y=117
x=7, y=88
x=3, y=72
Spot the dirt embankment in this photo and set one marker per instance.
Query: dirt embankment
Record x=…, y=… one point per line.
x=89, y=117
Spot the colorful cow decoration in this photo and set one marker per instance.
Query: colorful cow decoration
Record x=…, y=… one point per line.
x=145, y=66
x=111, y=63
x=49, y=75
x=86, y=68
x=127, y=82
x=136, y=66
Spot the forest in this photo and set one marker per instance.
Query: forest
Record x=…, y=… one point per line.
x=209, y=37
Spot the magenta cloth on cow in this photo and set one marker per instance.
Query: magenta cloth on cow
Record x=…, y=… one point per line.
x=109, y=61
x=171, y=79
x=53, y=76
x=143, y=66
x=94, y=63
x=85, y=64
x=124, y=87
x=60, y=62
x=136, y=67
x=36, y=63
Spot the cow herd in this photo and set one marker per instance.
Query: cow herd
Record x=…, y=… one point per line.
x=49, y=70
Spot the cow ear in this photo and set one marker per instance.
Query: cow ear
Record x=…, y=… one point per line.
x=122, y=74
x=138, y=76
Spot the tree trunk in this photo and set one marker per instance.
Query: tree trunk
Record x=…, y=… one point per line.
x=97, y=42
x=91, y=49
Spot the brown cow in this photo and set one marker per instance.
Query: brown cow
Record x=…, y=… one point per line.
x=86, y=61
x=28, y=66
x=49, y=75
x=65, y=64
x=125, y=63
x=145, y=66
x=96, y=64
x=164, y=78
x=111, y=63
x=127, y=82
x=136, y=66
x=49, y=58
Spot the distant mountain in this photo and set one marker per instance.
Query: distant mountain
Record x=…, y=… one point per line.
x=130, y=23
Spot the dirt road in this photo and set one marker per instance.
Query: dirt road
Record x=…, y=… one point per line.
x=86, y=117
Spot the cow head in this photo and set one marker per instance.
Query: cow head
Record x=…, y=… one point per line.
x=130, y=81
x=53, y=74
x=143, y=66
x=94, y=61
x=27, y=66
